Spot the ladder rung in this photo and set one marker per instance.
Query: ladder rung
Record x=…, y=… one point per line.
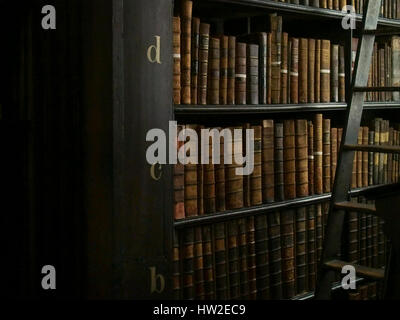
x=361, y=271
x=376, y=89
x=357, y=207
x=372, y=148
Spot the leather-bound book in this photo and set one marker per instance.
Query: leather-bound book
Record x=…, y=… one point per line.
x=379, y=122
x=188, y=264
x=288, y=254
x=195, y=59
x=327, y=155
x=186, y=46
x=256, y=190
x=176, y=24
x=369, y=243
x=311, y=187
x=381, y=244
x=233, y=258
x=294, y=71
x=244, y=272
x=319, y=232
x=390, y=158
x=234, y=182
x=246, y=178
x=365, y=155
x=353, y=240
x=382, y=74
x=330, y=4
x=208, y=254
x=176, y=273
x=335, y=73
x=209, y=183
x=301, y=140
x=363, y=238
x=323, y=4
x=372, y=291
x=279, y=163
x=221, y=272
x=224, y=61
x=220, y=179
x=354, y=172
x=289, y=68
x=371, y=137
x=231, y=70
x=334, y=154
x=325, y=70
x=251, y=259
x=200, y=178
x=301, y=251
x=315, y=3
x=276, y=32
x=203, y=63
x=311, y=71
x=284, y=68
x=252, y=74
x=198, y=264
x=262, y=257
x=268, y=178
x=275, y=254
x=359, y=159
x=303, y=70
x=385, y=155
x=213, y=71
x=375, y=233
x=336, y=5
x=289, y=159
x=311, y=248
x=191, y=192
x=179, y=186
x=396, y=62
x=240, y=76
x=342, y=75
x=318, y=153
x=343, y=3
x=318, y=71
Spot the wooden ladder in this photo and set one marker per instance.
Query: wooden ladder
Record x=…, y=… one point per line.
x=330, y=261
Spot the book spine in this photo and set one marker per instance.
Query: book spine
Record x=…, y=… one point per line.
x=177, y=59
x=209, y=183
x=303, y=70
x=396, y=61
x=317, y=71
x=224, y=64
x=198, y=264
x=289, y=159
x=269, y=68
x=268, y=168
x=335, y=73
x=256, y=195
x=195, y=60
x=294, y=72
x=375, y=247
x=220, y=178
x=371, y=137
x=231, y=70
x=284, y=69
x=246, y=179
x=353, y=249
x=318, y=231
x=365, y=156
x=243, y=252
x=279, y=163
x=327, y=155
x=301, y=141
x=203, y=63
x=318, y=154
x=188, y=264
x=334, y=154
x=191, y=192
x=262, y=70
x=301, y=251
x=251, y=259
x=233, y=256
x=240, y=76
x=200, y=178
x=288, y=254
x=390, y=158
x=363, y=238
x=221, y=278
x=262, y=257
x=213, y=72
x=311, y=70
x=311, y=158
x=381, y=155
x=208, y=268
x=311, y=248
x=274, y=236
x=176, y=273
x=276, y=31
x=186, y=46
x=359, y=159
x=325, y=70
x=179, y=186
x=252, y=74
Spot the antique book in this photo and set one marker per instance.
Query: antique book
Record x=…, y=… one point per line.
x=233, y=258
x=317, y=71
x=319, y=232
x=209, y=191
x=213, y=71
x=231, y=70
x=262, y=257
x=390, y=158
x=335, y=73
x=200, y=178
x=303, y=70
x=318, y=153
x=294, y=71
x=301, y=250
x=379, y=156
x=279, y=163
x=354, y=172
x=365, y=156
x=221, y=272
x=186, y=46
x=198, y=264
x=269, y=68
x=244, y=272
x=251, y=258
x=176, y=272
x=363, y=237
x=396, y=64
x=191, y=192
x=288, y=254
x=220, y=179
x=385, y=155
x=311, y=71
x=342, y=75
x=353, y=237
x=311, y=247
x=375, y=234
x=323, y=4
x=208, y=267
x=315, y=3
x=289, y=159
x=371, y=138
x=334, y=154
x=276, y=50
x=256, y=190
x=325, y=70
x=246, y=178
x=284, y=68
x=176, y=23
x=336, y=5
x=275, y=254
x=223, y=85
x=195, y=60
x=203, y=63
x=327, y=155
x=359, y=159
x=188, y=264
x=268, y=159
x=240, y=75
x=289, y=68
x=179, y=186
x=252, y=74
x=311, y=187
x=301, y=142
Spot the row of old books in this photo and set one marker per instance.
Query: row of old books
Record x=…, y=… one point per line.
x=367, y=291
x=258, y=68
x=268, y=256
x=389, y=9
x=292, y=159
